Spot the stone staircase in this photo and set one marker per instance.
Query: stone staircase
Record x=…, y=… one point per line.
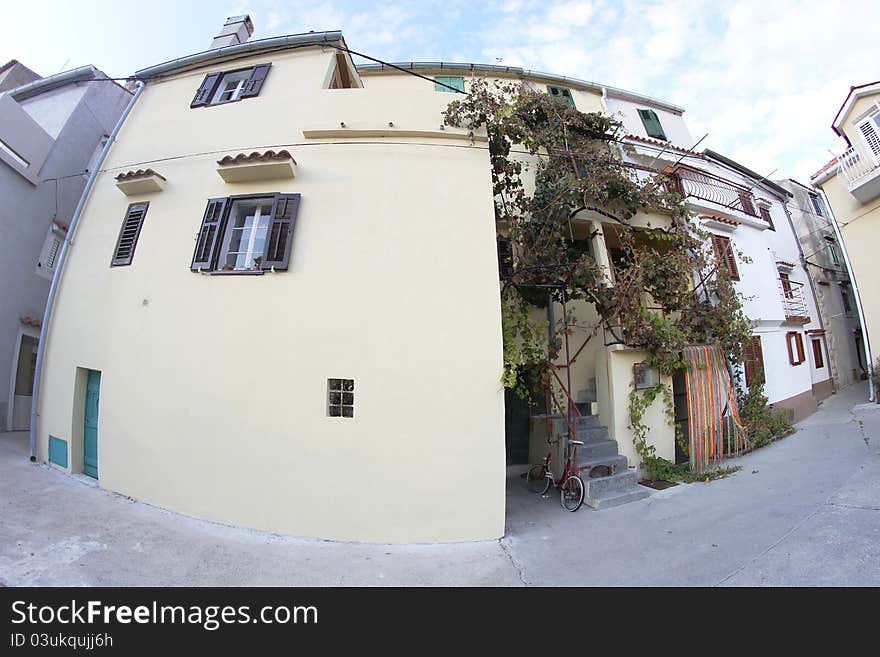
x=618, y=488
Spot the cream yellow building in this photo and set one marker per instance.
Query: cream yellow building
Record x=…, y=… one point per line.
x=348, y=391
x=851, y=183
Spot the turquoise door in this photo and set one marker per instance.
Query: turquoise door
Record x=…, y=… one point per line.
x=90, y=425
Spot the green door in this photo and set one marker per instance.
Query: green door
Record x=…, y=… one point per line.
x=90, y=425
x=516, y=428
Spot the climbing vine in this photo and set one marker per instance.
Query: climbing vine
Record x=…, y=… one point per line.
x=550, y=165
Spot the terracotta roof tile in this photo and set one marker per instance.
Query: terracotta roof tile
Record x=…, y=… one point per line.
x=785, y=263
x=30, y=321
x=140, y=173
x=830, y=163
x=723, y=220
x=665, y=144
x=256, y=157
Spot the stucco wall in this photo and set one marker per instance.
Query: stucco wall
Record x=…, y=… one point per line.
x=214, y=388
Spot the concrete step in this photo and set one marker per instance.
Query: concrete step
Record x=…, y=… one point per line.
x=595, y=450
x=617, y=463
x=602, y=486
x=588, y=422
x=592, y=434
x=618, y=497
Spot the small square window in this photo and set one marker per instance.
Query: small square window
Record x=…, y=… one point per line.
x=340, y=397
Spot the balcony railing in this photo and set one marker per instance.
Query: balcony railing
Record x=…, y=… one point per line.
x=793, y=301
x=858, y=163
x=691, y=183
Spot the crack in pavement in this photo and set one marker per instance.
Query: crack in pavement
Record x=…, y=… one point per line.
x=513, y=562
x=855, y=506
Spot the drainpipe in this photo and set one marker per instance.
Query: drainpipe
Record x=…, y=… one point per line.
x=47, y=314
x=857, y=295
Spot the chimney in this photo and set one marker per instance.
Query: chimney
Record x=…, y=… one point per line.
x=237, y=29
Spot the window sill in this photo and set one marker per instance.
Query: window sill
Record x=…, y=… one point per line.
x=220, y=272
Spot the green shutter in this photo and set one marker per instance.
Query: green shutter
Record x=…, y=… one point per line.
x=561, y=94
x=652, y=124
x=455, y=82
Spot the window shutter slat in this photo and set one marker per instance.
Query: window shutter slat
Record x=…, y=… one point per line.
x=206, y=90
x=208, y=240
x=753, y=358
x=765, y=215
x=255, y=82
x=725, y=255
x=280, y=237
x=129, y=233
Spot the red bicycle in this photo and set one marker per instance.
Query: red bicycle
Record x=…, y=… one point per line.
x=570, y=486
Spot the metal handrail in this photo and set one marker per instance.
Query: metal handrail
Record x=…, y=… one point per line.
x=692, y=183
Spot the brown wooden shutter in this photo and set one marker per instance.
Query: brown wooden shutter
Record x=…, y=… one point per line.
x=724, y=253
x=746, y=202
x=280, y=237
x=817, y=353
x=129, y=233
x=795, y=345
x=505, y=258
x=206, y=91
x=255, y=82
x=799, y=341
x=210, y=233
x=753, y=357
x=765, y=215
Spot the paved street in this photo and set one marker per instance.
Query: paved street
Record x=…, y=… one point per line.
x=803, y=512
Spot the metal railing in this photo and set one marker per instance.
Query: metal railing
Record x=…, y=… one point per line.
x=793, y=300
x=692, y=183
x=857, y=162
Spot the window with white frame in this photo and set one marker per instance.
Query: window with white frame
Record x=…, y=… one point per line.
x=225, y=87
x=246, y=233
x=245, y=240
x=231, y=86
x=832, y=250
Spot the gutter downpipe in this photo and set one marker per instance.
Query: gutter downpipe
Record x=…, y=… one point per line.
x=68, y=238
x=858, y=296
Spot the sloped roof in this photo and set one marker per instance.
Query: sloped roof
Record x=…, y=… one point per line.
x=854, y=94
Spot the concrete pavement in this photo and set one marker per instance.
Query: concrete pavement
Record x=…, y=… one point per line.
x=804, y=511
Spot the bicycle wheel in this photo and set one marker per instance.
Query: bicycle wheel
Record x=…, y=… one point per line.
x=572, y=493
x=538, y=479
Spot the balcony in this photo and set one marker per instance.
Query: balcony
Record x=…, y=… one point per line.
x=715, y=194
x=861, y=170
x=793, y=301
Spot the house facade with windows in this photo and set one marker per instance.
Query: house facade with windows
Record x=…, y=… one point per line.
x=746, y=217
x=851, y=184
x=822, y=257
x=51, y=130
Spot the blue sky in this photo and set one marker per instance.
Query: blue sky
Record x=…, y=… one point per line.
x=763, y=77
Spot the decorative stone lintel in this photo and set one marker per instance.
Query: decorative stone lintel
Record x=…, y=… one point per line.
x=142, y=181
x=257, y=166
